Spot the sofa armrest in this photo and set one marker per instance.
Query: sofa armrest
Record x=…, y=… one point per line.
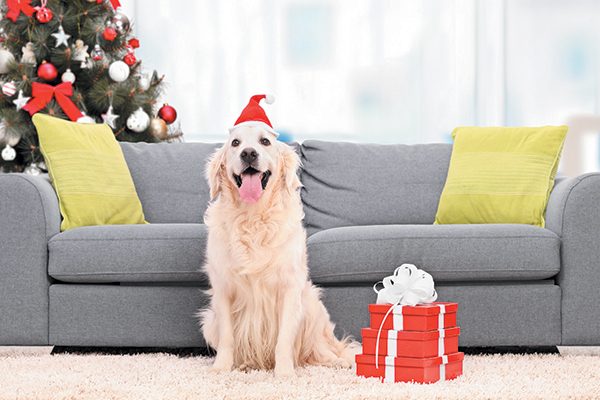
x=29, y=216
x=573, y=213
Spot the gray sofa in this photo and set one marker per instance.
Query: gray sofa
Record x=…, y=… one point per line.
x=368, y=209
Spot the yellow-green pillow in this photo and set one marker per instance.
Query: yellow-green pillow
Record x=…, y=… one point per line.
x=89, y=173
x=500, y=175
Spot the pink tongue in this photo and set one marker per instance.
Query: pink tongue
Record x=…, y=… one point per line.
x=251, y=188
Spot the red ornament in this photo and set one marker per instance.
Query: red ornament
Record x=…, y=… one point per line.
x=47, y=71
x=109, y=34
x=43, y=14
x=167, y=113
x=130, y=59
x=134, y=43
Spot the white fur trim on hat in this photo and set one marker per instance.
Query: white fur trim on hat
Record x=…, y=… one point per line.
x=254, y=123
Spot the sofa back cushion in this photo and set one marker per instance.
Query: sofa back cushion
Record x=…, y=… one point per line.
x=349, y=184
x=169, y=179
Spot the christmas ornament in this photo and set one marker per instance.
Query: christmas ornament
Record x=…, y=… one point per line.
x=115, y=3
x=168, y=114
x=61, y=37
x=121, y=22
x=6, y=58
x=134, y=43
x=97, y=53
x=16, y=7
x=80, y=51
x=118, y=71
x=43, y=14
x=87, y=64
x=110, y=117
x=8, y=153
x=43, y=93
x=86, y=119
x=145, y=80
x=130, y=59
x=109, y=34
x=32, y=169
x=47, y=71
x=9, y=89
x=68, y=76
x=20, y=101
x=159, y=129
x=28, y=56
x=138, y=121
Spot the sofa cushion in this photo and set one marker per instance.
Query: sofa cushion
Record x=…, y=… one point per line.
x=347, y=184
x=366, y=254
x=129, y=253
x=169, y=179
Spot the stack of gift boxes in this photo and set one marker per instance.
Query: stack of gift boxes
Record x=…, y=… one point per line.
x=411, y=343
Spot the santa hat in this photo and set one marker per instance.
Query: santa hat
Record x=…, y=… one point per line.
x=254, y=115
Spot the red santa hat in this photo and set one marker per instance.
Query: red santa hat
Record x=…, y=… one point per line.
x=254, y=115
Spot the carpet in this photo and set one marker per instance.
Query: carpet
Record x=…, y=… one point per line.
x=27, y=375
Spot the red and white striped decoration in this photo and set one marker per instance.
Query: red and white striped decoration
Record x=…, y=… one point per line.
x=9, y=89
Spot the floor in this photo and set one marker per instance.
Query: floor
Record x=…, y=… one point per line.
x=35, y=373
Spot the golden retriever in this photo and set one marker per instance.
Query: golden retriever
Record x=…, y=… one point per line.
x=264, y=311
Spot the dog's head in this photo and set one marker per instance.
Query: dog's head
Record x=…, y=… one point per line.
x=253, y=163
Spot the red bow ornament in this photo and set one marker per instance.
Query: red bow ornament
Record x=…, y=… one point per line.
x=115, y=3
x=43, y=93
x=15, y=7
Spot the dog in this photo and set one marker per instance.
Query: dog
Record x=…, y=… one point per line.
x=264, y=312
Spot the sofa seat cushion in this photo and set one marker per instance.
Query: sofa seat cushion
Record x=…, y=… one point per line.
x=366, y=254
x=129, y=253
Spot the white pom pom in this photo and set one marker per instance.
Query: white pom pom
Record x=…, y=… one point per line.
x=269, y=99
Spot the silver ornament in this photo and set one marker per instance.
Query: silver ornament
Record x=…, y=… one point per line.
x=138, y=121
x=33, y=170
x=68, y=76
x=121, y=22
x=8, y=153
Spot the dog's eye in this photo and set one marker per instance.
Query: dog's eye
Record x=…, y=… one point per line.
x=235, y=143
x=265, y=142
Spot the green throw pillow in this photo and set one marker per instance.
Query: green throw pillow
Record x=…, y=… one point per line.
x=500, y=175
x=89, y=173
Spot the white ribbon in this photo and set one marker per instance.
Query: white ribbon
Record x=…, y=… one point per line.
x=441, y=330
x=443, y=368
x=409, y=286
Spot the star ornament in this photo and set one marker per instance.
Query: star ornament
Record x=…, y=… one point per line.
x=62, y=39
x=21, y=100
x=110, y=118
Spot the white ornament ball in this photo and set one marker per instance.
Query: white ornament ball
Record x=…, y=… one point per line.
x=9, y=89
x=86, y=119
x=68, y=76
x=6, y=57
x=118, y=71
x=33, y=169
x=8, y=153
x=138, y=121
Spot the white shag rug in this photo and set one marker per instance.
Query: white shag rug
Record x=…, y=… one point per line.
x=27, y=375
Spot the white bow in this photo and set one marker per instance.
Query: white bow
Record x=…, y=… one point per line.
x=408, y=286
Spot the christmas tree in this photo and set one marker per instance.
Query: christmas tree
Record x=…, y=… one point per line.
x=74, y=59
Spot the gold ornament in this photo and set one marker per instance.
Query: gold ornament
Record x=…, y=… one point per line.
x=158, y=128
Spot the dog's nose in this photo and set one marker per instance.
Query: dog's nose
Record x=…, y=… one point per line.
x=249, y=155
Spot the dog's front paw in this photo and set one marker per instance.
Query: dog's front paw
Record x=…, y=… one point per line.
x=284, y=370
x=223, y=362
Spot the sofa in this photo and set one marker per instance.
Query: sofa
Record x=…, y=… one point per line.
x=368, y=208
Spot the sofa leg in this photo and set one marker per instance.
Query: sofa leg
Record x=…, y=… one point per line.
x=25, y=350
x=579, y=350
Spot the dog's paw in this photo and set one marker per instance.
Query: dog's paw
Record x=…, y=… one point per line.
x=284, y=371
x=341, y=362
x=223, y=363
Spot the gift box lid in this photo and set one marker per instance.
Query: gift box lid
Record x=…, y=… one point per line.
x=419, y=309
x=411, y=335
x=409, y=361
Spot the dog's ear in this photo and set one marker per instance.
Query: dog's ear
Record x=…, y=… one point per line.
x=289, y=164
x=214, y=170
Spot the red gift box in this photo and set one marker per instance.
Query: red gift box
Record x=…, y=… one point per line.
x=422, y=317
x=405, y=369
x=411, y=344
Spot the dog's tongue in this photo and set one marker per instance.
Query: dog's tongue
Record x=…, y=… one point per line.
x=251, y=188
